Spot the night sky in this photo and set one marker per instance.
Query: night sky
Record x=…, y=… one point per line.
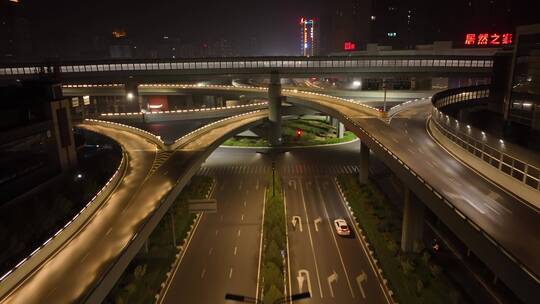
x=274, y=23
x=63, y=28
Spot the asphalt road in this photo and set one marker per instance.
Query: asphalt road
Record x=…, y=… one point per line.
x=310, y=193
x=73, y=270
x=223, y=254
x=506, y=218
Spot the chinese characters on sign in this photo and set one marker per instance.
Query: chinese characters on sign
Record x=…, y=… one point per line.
x=487, y=39
x=349, y=46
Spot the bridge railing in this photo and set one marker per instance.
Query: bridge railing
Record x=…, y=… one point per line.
x=33, y=261
x=256, y=63
x=477, y=142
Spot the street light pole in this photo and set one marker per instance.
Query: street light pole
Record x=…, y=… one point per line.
x=273, y=178
x=385, y=85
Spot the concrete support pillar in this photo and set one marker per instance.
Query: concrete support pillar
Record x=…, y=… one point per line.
x=413, y=221
x=274, y=107
x=340, y=130
x=364, y=164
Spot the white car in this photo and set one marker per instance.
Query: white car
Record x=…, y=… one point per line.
x=341, y=227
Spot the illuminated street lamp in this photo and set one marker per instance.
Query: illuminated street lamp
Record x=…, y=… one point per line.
x=129, y=96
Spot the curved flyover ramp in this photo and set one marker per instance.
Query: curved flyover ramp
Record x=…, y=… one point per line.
x=497, y=226
x=90, y=261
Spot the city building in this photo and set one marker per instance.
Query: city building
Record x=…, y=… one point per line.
x=36, y=136
x=309, y=36
x=345, y=25
x=522, y=102
x=14, y=32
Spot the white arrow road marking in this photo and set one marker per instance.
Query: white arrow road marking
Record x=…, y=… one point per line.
x=297, y=220
x=303, y=275
x=317, y=221
x=292, y=183
x=359, y=280
x=332, y=278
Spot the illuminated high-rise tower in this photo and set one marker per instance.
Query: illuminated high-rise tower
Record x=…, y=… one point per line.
x=309, y=34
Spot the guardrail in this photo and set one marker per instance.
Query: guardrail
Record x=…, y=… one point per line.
x=452, y=96
x=92, y=294
x=462, y=134
x=184, y=139
x=405, y=105
x=285, y=92
x=376, y=62
x=149, y=136
x=10, y=279
x=494, y=156
x=446, y=202
x=185, y=111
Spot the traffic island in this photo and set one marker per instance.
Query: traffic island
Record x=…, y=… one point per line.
x=143, y=277
x=297, y=132
x=413, y=277
x=272, y=268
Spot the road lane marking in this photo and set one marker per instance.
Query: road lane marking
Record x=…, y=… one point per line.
x=492, y=209
x=230, y=273
x=260, y=244
x=221, y=218
x=297, y=220
x=240, y=186
x=108, y=231
x=238, y=232
x=242, y=219
x=359, y=280
x=235, y=249
x=244, y=203
x=322, y=201
x=210, y=251
x=287, y=245
x=303, y=275
x=311, y=240
x=331, y=279
x=183, y=252
x=203, y=272
x=316, y=222
x=364, y=248
x=217, y=231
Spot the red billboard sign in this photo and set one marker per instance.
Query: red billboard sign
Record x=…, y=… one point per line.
x=488, y=39
x=349, y=46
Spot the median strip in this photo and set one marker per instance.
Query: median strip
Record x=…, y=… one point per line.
x=272, y=268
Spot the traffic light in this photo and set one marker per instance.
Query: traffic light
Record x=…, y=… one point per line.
x=299, y=133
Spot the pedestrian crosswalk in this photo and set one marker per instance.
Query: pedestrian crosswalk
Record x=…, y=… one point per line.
x=287, y=170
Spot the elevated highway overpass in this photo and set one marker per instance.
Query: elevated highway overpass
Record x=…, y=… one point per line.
x=485, y=217
x=170, y=70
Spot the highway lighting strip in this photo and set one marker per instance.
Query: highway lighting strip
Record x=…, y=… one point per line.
x=263, y=89
x=449, y=204
x=464, y=141
x=141, y=132
x=77, y=220
x=371, y=256
x=110, y=85
x=408, y=62
x=178, y=141
x=142, y=227
x=251, y=105
x=180, y=248
x=405, y=105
